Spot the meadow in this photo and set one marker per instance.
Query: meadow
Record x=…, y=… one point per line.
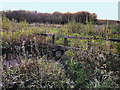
x=90, y=64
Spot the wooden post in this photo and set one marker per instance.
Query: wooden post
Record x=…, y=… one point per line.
x=89, y=45
x=65, y=41
x=110, y=47
x=53, y=39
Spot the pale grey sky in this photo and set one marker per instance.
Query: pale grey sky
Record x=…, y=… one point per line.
x=104, y=10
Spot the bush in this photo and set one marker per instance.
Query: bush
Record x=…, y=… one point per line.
x=39, y=73
x=73, y=27
x=92, y=69
x=77, y=73
x=5, y=23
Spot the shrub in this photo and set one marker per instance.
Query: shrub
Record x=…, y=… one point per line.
x=39, y=73
x=92, y=69
x=5, y=23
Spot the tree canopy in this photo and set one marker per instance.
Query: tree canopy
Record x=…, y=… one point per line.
x=52, y=18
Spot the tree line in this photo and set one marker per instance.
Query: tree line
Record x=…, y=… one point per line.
x=52, y=18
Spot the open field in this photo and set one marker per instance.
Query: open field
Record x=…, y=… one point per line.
x=31, y=57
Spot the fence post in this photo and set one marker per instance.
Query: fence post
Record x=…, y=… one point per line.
x=110, y=47
x=53, y=39
x=65, y=41
x=89, y=44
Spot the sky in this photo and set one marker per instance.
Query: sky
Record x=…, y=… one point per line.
x=104, y=10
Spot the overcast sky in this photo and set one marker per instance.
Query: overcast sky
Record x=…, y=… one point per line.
x=104, y=10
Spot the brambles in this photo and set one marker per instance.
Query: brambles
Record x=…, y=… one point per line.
x=40, y=73
x=92, y=69
x=89, y=64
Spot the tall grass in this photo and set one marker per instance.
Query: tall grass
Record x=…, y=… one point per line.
x=94, y=65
